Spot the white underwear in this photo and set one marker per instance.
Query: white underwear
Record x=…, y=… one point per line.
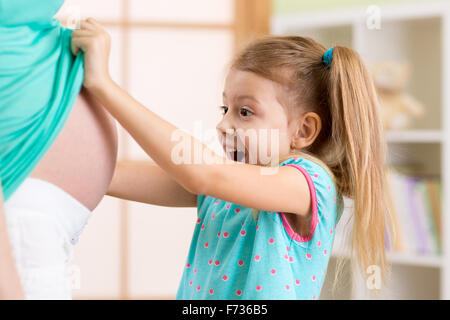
x=44, y=223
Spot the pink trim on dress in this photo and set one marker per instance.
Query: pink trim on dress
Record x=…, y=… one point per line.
x=314, y=218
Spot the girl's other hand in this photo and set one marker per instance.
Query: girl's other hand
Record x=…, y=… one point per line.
x=95, y=42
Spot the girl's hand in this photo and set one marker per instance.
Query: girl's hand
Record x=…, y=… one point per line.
x=95, y=41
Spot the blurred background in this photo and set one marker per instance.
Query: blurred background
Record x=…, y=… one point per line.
x=172, y=55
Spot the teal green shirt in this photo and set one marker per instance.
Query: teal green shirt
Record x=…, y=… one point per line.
x=235, y=256
x=39, y=82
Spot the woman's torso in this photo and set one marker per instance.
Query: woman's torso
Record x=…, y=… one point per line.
x=82, y=159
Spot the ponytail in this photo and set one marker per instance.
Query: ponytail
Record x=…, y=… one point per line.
x=361, y=174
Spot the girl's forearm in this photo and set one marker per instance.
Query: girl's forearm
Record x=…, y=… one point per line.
x=154, y=135
x=145, y=181
x=10, y=286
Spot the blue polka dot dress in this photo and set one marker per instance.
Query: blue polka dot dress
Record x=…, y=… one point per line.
x=234, y=255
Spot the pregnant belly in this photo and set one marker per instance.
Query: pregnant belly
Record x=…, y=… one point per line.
x=82, y=159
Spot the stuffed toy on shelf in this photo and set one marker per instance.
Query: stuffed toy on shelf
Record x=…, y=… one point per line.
x=398, y=108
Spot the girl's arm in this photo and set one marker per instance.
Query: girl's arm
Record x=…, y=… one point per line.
x=10, y=287
x=144, y=181
x=243, y=184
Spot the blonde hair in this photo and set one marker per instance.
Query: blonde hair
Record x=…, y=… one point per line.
x=351, y=145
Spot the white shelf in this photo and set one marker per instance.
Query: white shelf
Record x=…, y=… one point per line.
x=416, y=260
x=408, y=259
x=414, y=136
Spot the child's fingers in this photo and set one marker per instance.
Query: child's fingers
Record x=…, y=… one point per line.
x=97, y=27
x=90, y=27
x=79, y=43
x=87, y=24
x=81, y=33
x=94, y=22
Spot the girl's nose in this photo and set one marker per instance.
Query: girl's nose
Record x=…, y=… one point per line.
x=224, y=125
x=225, y=130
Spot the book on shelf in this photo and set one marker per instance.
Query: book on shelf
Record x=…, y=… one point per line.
x=417, y=201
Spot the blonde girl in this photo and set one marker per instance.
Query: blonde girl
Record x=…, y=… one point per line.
x=329, y=144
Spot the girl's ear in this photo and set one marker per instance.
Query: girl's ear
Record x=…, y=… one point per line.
x=309, y=126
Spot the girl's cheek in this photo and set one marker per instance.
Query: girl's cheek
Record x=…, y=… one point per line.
x=264, y=149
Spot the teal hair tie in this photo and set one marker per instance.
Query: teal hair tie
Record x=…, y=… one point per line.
x=327, y=57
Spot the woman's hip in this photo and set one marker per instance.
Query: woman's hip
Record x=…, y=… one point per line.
x=44, y=223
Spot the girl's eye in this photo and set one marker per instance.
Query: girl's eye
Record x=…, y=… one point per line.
x=224, y=109
x=245, y=112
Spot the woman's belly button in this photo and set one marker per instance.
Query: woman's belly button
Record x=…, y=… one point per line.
x=82, y=159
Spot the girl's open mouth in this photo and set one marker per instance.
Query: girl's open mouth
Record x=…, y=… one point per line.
x=235, y=149
x=237, y=155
